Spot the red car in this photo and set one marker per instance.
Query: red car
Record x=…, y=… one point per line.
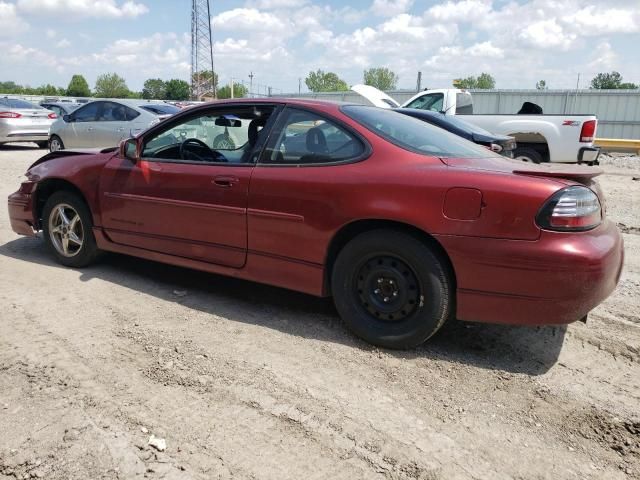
x=405, y=224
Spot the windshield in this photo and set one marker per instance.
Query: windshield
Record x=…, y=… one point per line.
x=413, y=134
x=456, y=122
x=160, y=108
x=15, y=103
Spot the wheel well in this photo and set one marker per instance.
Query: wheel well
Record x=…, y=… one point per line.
x=352, y=230
x=536, y=141
x=45, y=189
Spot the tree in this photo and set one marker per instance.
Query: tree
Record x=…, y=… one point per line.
x=239, y=91
x=10, y=87
x=320, y=81
x=629, y=86
x=155, y=89
x=382, y=78
x=111, y=85
x=484, y=80
x=611, y=80
x=541, y=85
x=206, y=80
x=177, y=90
x=78, y=87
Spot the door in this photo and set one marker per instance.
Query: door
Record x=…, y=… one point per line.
x=81, y=132
x=112, y=125
x=186, y=197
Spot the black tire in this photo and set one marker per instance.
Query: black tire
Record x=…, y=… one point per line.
x=44, y=144
x=52, y=140
x=79, y=256
x=528, y=154
x=409, y=318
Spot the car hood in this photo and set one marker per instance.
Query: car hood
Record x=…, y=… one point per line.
x=71, y=153
x=377, y=97
x=577, y=173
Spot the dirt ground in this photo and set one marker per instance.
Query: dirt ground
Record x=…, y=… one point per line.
x=247, y=381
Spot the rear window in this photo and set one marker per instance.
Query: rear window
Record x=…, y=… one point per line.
x=160, y=109
x=15, y=103
x=413, y=134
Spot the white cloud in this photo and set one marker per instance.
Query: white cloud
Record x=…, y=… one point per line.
x=390, y=8
x=248, y=19
x=275, y=4
x=547, y=34
x=51, y=33
x=83, y=8
x=485, y=49
x=10, y=23
x=592, y=21
x=64, y=43
x=604, y=58
x=463, y=11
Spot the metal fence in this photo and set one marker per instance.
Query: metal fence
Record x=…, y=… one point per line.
x=618, y=111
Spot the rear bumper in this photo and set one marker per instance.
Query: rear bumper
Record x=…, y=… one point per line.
x=21, y=213
x=588, y=154
x=556, y=279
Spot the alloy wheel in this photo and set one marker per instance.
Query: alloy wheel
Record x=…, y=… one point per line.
x=66, y=230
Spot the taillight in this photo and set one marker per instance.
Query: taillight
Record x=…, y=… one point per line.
x=588, y=132
x=495, y=147
x=52, y=116
x=573, y=208
x=9, y=115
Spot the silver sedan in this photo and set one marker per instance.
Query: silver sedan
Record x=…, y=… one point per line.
x=104, y=123
x=21, y=121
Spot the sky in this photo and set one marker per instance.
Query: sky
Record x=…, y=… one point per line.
x=280, y=41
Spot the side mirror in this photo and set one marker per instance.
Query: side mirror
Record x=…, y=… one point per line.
x=67, y=118
x=129, y=149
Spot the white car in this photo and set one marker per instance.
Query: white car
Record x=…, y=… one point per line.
x=540, y=138
x=104, y=123
x=22, y=121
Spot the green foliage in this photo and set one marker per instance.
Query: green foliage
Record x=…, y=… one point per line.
x=78, y=87
x=48, y=89
x=239, y=91
x=320, y=81
x=177, y=90
x=206, y=79
x=10, y=87
x=381, y=77
x=541, y=85
x=154, y=89
x=611, y=80
x=111, y=85
x=484, y=80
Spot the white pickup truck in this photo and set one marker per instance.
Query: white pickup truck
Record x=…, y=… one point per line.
x=540, y=138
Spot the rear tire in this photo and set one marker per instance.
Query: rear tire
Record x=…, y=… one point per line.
x=391, y=289
x=55, y=143
x=527, y=154
x=68, y=230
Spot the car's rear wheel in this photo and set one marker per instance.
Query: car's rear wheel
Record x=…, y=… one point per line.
x=391, y=289
x=527, y=154
x=55, y=143
x=67, y=228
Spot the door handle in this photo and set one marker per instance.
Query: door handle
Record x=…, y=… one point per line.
x=225, y=181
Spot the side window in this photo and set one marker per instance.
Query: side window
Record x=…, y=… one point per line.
x=430, y=101
x=227, y=136
x=305, y=137
x=112, y=112
x=131, y=113
x=88, y=113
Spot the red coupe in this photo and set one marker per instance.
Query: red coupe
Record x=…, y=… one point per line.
x=404, y=224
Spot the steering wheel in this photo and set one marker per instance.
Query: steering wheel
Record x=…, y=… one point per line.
x=198, y=142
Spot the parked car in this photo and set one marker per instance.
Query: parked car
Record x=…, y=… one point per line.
x=60, y=108
x=540, y=138
x=502, y=144
x=103, y=123
x=405, y=224
x=21, y=121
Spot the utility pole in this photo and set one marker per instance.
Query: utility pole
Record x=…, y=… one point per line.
x=419, y=82
x=201, y=50
x=231, y=87
x=251, y=83
x=299, y=86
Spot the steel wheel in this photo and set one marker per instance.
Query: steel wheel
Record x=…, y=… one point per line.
x=387, y=288
x=66, y=230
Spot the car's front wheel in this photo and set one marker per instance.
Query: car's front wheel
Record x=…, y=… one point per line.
x=67, y=228
x=392, y=289
x=55, y=143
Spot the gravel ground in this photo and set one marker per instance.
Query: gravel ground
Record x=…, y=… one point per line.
x=252, y=382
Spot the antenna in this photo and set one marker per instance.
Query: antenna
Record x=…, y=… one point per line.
x=202, y=72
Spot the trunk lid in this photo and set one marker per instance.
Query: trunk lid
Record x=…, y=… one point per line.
x=377, y=97
x=577, y=173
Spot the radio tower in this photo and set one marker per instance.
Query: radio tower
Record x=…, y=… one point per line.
x=201, y=50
